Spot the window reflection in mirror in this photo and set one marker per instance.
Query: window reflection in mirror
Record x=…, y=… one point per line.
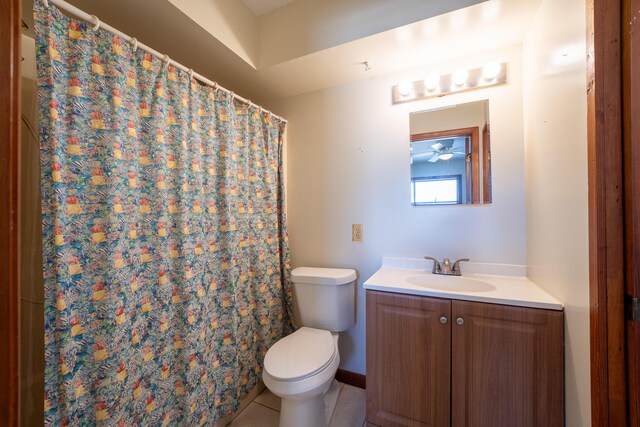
x=450, y=155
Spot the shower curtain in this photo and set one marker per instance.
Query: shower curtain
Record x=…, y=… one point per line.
x=164, y=240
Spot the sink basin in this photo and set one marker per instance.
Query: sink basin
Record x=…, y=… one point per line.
x=450, y=283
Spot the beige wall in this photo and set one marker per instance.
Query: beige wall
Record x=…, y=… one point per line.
x=31, y=286
x=556, y=181
x=348, y=162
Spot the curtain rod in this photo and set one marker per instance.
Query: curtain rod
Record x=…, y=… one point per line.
x=99, y=24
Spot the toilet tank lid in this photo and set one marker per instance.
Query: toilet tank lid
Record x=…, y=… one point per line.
x=323, y=276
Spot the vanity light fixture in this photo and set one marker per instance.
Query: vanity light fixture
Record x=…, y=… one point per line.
x=491, y=70
x=491, y=74
x=431, y=82
x=405, y=87
x=459, y=77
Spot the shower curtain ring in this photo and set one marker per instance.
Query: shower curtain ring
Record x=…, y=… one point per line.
x=96, y=22
x=46, y=3
x=190, y=73
x=134, y=41
x=166, y=60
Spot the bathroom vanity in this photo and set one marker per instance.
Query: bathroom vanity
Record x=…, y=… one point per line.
x=486, y=352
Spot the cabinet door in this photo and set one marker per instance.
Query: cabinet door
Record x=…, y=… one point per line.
x=507, y=366
x=408, y=360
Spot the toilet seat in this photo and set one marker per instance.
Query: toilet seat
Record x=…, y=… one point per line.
x=300, y=355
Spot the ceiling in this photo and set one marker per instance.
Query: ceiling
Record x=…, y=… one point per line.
x=328, y=45
x=260, y=7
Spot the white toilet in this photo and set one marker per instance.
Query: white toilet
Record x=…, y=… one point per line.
x=300, y=367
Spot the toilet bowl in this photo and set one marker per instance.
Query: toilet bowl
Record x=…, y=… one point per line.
x=300, y=368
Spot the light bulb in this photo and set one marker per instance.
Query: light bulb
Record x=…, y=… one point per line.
x=445, y=156
x=491, y=70
x=405, y=87
x=431, y=82
x=460, y=77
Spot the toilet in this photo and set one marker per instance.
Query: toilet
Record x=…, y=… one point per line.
x=300, y=367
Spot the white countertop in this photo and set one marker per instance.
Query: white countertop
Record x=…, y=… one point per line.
x=515, y=290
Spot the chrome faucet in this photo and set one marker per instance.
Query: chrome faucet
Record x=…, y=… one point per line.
x=446, y=269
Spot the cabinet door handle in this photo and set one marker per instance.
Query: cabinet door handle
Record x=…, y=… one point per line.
x=443, y=320
x=460, y=321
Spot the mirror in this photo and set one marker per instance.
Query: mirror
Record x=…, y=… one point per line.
x=450, y=155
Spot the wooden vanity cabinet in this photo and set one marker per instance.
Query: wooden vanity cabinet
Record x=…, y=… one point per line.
x=437, y=362
x=406, y=360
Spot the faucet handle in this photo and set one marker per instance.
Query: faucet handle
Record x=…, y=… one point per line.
x=436, y=264
x=456, y=265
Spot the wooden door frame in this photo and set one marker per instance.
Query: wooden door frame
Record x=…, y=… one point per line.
x=10, y=63
x=614, y=238
x=631, y=147
x=487, y=188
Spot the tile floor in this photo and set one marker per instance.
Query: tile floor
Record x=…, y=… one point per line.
x=264, y=411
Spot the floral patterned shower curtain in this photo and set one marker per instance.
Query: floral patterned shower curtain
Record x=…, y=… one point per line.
x=165, y=249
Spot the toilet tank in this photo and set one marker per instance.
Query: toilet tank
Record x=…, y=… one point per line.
x=324, y=298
